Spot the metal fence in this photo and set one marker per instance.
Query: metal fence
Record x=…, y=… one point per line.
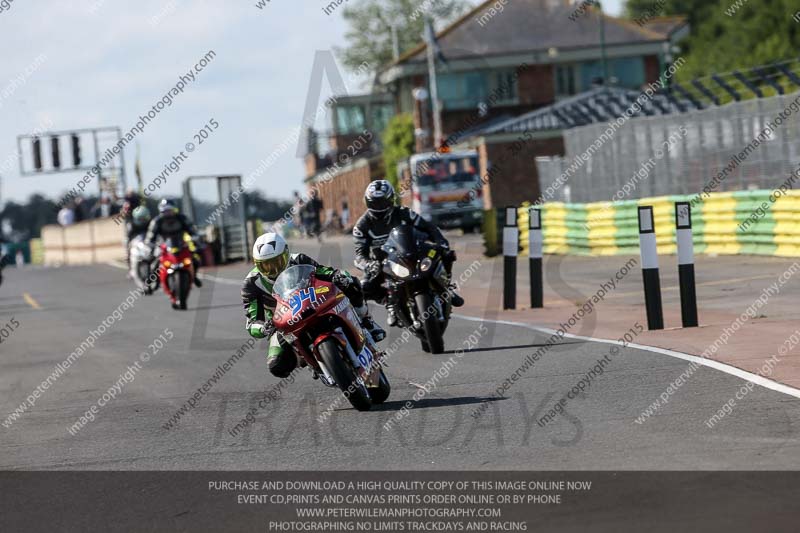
x=635, y=162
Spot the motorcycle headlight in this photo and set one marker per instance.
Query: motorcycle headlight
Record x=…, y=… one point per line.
x=399, y=270
x=425, y=264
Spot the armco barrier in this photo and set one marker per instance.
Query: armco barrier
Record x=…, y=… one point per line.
x=93, y=241
x=610, y=228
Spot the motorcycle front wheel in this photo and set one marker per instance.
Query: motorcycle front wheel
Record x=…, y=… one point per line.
x=179, y=283
x=380, y=393
x=433, y=330
x=183, y=289
x=333, y=356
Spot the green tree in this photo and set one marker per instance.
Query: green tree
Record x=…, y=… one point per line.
x=724, y=37
x=398, y=144
x=370, y=22
x=693, y=9
x=26, y=220
x=259, y=206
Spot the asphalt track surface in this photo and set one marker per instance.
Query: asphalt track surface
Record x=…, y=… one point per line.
x=56, y=309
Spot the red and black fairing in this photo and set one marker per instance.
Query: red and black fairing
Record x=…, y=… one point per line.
x=176, y=258
x=316, y=313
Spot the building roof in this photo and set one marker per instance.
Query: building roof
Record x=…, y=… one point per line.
x=601, y=104
x=606, y=103
x=536, y=25
x=667, y=25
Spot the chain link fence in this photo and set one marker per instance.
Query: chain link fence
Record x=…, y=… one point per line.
x=680, y=153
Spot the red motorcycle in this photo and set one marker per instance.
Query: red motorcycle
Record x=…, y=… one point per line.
x=320, y=323
x=176, y=271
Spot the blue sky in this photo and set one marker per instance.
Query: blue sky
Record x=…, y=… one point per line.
x=86, y=63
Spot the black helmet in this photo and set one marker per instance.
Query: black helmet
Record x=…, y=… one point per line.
x=167, y=207
x=379, y=198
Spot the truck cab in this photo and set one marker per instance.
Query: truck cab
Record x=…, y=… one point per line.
x=446, y=188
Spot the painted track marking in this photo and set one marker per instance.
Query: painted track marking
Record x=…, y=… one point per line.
x=716, y=365
x=31, y=301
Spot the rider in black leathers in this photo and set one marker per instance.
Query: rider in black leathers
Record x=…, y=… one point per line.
x=371, y=232
x=171, y=224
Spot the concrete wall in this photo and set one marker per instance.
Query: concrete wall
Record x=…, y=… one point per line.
x=93, y=241
x=760, y=222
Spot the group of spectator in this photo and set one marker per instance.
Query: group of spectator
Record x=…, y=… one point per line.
x=77, y=209
x=310, y=214
x=309, y=218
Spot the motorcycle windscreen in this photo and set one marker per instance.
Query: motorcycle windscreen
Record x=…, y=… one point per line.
x=174, y=244
x=293, y=279
x=403, y=242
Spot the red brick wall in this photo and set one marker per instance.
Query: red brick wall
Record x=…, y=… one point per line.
x=536, y=86
x=651, y=69
x=516, y=180
x=349, y=185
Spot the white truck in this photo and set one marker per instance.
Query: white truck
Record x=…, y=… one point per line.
x=445, y=188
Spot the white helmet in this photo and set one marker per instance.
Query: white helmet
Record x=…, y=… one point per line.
x=271, y=254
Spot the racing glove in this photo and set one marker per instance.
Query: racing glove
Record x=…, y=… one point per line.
x=342, y=280
x=263, y=331
x=373, y=268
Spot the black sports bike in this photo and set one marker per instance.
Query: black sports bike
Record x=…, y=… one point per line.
x=417, y=285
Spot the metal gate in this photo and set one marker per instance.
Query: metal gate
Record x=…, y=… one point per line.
x=219, y=201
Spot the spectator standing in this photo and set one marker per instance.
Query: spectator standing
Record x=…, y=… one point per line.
x=104, y=207
x=314, y=213
x=79, y=210
x=66, y=215
x=131, y=202
x=345, y=215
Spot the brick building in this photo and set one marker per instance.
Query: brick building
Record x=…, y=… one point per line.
x=500, y=65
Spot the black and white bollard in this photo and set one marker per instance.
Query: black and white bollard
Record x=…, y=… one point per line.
x=510, y=253
x=535, y=254
x=683, y=236
x=652, y=281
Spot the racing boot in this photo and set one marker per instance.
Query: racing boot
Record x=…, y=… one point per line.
x=455, y=299
x=377, y=332
x=197, y=281
x=391, y=316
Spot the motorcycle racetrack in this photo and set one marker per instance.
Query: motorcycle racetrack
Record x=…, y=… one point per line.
x=157, y=389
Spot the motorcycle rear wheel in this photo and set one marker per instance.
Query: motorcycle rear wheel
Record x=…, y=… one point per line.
x=333, y=356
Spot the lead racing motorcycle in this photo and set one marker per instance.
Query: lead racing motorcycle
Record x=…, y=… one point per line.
x=176, y=271
x=320, y=323
x=417, y=285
